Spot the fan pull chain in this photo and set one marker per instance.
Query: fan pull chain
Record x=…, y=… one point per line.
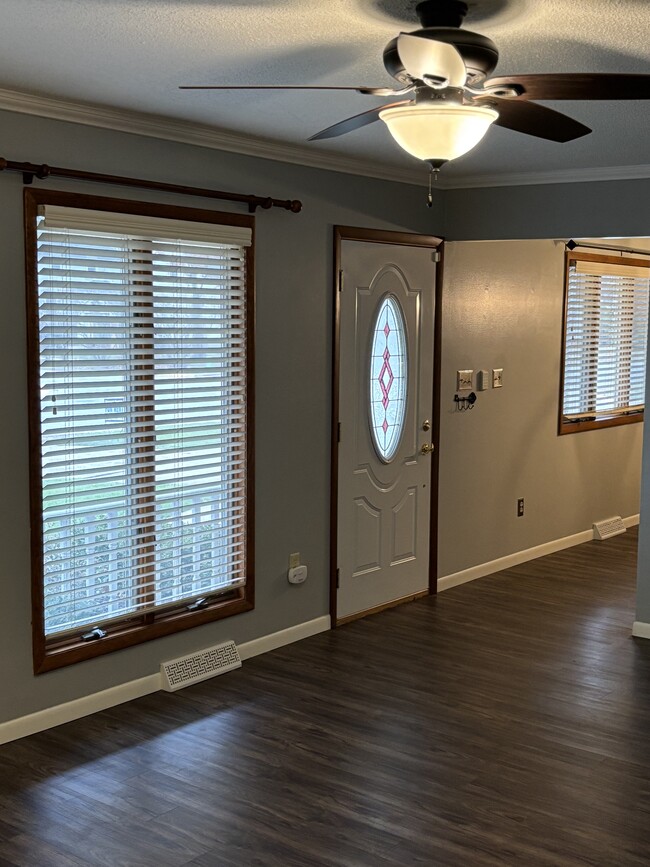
x=433, y=175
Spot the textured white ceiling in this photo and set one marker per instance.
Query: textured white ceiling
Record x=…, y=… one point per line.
x=133, y=54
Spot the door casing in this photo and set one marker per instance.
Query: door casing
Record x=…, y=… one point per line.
x=404, y=239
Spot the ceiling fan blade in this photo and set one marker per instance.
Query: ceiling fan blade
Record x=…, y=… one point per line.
x=428, y=59
x=537, y=120
x=372, y=91
x=355, y=122
x=569, y=85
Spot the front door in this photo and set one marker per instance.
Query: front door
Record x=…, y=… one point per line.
x=386, y=424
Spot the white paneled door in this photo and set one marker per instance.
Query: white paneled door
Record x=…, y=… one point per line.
x=386, y=366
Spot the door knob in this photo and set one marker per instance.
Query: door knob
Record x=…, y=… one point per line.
x=426, y=425
x=426, y=448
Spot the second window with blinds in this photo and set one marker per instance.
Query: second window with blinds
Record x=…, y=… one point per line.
x=605, y=341
x=140, y=349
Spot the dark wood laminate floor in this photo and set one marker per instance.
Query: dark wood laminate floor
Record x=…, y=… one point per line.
x=506, y=722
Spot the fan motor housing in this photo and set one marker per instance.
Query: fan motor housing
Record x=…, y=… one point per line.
x=479, y=53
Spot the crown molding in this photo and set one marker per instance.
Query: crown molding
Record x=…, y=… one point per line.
x=558, y=176
x=203, y=135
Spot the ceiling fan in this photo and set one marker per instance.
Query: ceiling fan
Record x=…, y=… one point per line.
x=443, y=71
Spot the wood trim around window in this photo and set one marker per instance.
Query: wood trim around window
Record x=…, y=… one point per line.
x=59, y=651
x=602, y=420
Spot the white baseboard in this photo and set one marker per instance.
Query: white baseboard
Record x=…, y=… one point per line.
x=88, y=704
x=285, y=636
x=641, y=630
x=518, y=557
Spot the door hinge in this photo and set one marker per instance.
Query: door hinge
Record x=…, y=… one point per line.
x=340, y=279
x=338, y=432
x=338, y=578
x=436, y=256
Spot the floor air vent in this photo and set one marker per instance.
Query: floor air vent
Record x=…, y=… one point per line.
x=610, y=527
x=194, y=667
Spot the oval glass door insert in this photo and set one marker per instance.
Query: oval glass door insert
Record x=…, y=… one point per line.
x=388, y=378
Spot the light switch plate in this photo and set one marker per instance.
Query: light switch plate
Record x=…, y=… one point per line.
x=482, y=380
x=464, y=380
x=497, y=377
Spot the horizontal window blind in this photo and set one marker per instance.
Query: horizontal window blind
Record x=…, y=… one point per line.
x=142, y=342
x=140, y=225
x=611, y=269
x=606, y=339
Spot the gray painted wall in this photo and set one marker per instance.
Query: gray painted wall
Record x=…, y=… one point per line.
x=599, y=209
x=294, y=296
x=643, y=565
x=294, y=293
x=503, y=308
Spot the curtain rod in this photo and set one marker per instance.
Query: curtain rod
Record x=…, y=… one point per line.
x=571, y=245
x=30, y=171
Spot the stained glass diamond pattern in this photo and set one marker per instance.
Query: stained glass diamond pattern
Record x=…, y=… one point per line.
x=388, y=377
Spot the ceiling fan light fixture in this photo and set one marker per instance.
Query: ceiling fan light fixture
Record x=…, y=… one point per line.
x=438, y=132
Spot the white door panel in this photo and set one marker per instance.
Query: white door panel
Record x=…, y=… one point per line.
x=404, y=530
x=384, y=492
x=367, y=537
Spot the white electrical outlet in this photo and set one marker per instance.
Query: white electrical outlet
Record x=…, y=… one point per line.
x=497, y=377
x=297, y=575
x=464, y=380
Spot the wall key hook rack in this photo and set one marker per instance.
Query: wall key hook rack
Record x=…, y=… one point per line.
x=463, y=402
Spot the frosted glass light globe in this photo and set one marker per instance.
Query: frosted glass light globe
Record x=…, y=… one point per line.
x=438, y=132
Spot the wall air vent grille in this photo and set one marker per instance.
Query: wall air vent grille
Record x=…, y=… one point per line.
x=610, y=527
x=195, y=667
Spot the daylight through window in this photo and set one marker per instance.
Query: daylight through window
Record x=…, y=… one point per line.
x=606, y=332
x=142, y=417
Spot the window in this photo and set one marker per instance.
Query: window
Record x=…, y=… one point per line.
x=388, y=378
x=605, y=340
x=140, y=370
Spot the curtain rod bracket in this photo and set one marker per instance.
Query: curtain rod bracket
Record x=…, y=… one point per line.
x=30, y=171
x=256, y=203
x=292, y=205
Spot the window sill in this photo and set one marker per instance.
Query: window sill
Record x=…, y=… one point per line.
x=58, y=653
x=569, y=427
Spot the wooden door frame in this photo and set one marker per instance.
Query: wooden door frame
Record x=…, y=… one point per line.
x=403, y=239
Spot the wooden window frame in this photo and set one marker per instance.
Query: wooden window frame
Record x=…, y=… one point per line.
x=58, y=651
x=603, y=420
